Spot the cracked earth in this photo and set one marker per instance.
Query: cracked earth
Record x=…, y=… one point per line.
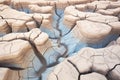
x=59, y=40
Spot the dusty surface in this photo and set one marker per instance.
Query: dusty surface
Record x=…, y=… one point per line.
x=59, y=39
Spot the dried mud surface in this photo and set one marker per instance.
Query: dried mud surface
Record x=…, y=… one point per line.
x=59, y=40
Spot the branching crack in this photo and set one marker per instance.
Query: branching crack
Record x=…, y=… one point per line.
x=60, y=36
x=83, y=73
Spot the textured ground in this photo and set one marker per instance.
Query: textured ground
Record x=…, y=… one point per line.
x=59, y=40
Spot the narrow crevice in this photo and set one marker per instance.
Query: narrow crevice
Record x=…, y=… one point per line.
x=95, y=8
x=75, y=68
x=27, y=28
x=69, y=30
x=87, y=72
x=74, y=65
x=56, y=77
x=10, y=29
x=7, y=65
x=37, y=23
x=108, y=73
